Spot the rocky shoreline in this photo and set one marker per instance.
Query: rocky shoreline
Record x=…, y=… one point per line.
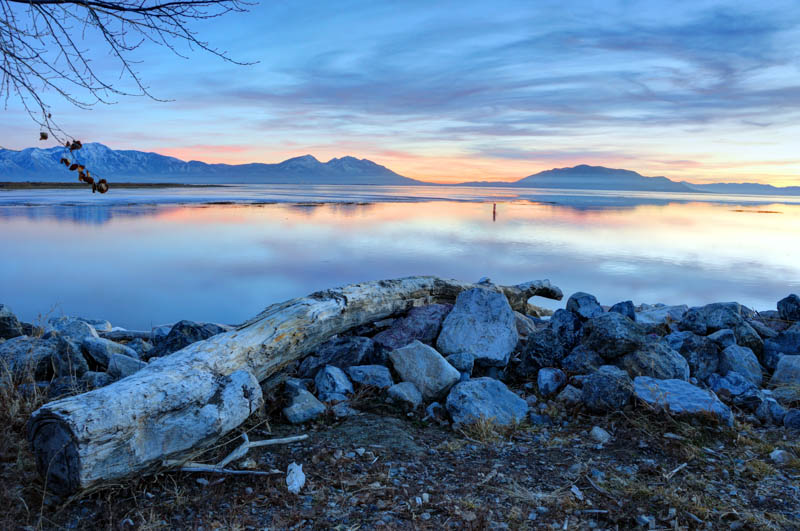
x=479, y=365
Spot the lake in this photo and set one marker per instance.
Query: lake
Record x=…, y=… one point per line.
x=141, y=257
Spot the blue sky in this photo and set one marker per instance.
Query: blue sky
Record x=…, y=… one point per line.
x=448, y=91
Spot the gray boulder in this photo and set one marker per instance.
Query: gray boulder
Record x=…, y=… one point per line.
x=485, y=398
x=303, y=407
x=481, y=323
x=374, y=375
x=747, y=336
x=525, y=325
x=584, y=305
x=543, y=349
x=741, y=360
x=702, y=353
x=680, y=398
x=405, y=393
x=184, y=333
x=550, y=381
x=789, y=308
x=121, y=366
x=73, y=329
x=723, y=338
x=44, y=357
x=625, y=308
x=100, y=325
x=763, y=330
x=570, y=396
x=657, y=360
x=100, y=350
x=95, y=380
x=608, y=389
x=342, y=352
x=462, y=361
x=422, y=323
x=332, y=380
x=567, y=328
x=660, y=314
x=770, y=412
x=787, y=343
x=731, y=385
x=582, y=360
x=786, y=378
x=143, y=348
x=424, y=367
x=791, y=421
x=10, y=326
x=613, y=335
x=704, y=320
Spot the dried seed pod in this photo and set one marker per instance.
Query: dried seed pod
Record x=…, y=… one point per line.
x=64, y=161
x=43, y=136
x=73, y=167
x=102, y=186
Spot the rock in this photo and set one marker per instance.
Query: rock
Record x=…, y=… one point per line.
x=786, y=378
x=73, y=329
x=681, y=398
x=485, y=398
x=607, y=389
x=95, y=380
x=701, y=353
x=481, y=323
x=100, y=325
x=30, y=330
x=625, y=308
x=374, y=375
x=741, y=360
x=584, y=305
x=746, y=336
x=789, y=308
x=424, y=367
x=780, y=457
x=292, y=386
x=657, y=360
x=787, y=343
x=770, y=412
x=64, y=386
x=613, y=335
x=549, y=381
x=732, y=386
x=543, y=349
x=462, y=361
x=582, y=360
x=45, y=357
x=303, y=407
x=763, y=330
x=121, y=366
x=570, y=396
x=405, y=393
x=791, y=421
x=525, y=325
x=704, y=320
x=435, y=411
x=100, y=350
x=657, y=315
x=724, y=338
x=422, y=323
x=295, y=478
x=600, y=435
x=184, y=333
x=332, y=380
x=540, y=420
x=567, y=328
x=141, y=347
x=342, y=352
x=343, y=410
x=10, y=326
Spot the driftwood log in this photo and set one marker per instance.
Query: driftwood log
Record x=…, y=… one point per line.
x=185, y=401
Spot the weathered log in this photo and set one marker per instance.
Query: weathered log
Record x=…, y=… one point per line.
x=188, y=400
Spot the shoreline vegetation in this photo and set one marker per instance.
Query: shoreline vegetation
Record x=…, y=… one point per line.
x=482, y=412
x=6, y=185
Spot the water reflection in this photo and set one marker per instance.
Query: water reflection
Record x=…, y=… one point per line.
x=141, y=265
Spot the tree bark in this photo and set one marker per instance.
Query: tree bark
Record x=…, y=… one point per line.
x=189, y=399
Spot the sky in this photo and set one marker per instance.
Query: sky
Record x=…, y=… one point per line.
x=471, y=90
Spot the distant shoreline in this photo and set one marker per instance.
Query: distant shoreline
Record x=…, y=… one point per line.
x=76, y=186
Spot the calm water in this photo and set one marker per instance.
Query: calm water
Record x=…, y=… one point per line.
x=145, y=258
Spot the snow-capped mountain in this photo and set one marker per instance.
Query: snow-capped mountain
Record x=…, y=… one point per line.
x=36, y=164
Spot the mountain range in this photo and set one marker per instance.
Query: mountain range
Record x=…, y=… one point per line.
x=42, y=164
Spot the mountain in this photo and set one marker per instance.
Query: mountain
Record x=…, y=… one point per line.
x=36, y=164
x=585, y=177
x=745, y=188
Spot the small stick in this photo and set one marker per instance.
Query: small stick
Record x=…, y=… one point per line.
x=669, y=476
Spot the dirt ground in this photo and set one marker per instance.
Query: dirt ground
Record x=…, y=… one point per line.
x=388, y=469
